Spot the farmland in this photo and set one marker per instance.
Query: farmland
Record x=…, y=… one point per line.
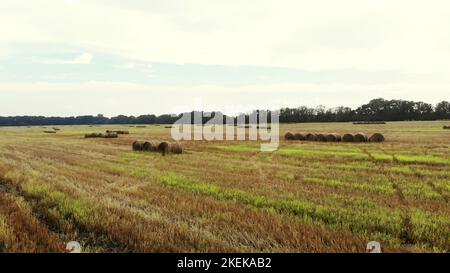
x=221, y=196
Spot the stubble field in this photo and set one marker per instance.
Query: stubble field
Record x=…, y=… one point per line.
x=226, y=196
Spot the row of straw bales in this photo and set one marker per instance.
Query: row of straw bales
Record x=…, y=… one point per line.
x=100, y=135
x=334, y=137
x=119, y=132
x=369, y=122
x=160, y=147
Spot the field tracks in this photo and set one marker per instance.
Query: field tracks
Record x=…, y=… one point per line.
x=56, y=230
x=407, y=232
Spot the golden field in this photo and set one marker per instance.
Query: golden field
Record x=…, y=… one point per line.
x=226, y=196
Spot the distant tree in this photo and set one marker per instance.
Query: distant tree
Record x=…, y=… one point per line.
x=442, y=110
x=376, y=110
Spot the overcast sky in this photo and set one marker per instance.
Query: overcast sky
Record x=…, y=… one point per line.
x=135, y=57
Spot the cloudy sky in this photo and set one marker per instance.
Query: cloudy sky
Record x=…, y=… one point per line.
x=135, y=57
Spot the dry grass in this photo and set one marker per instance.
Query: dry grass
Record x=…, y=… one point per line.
x=226, y=196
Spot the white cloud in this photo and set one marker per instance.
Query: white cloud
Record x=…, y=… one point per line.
x=84, y=58
x=365, y=34
x=401, y=36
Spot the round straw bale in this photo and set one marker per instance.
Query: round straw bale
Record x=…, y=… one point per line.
x=163, y=147
x=137, y=145
x=110, y=135
x=360, y=137
x=149, y=146
x=176, y=148
x=333, y=137
x=321, y=137
x=299, y=136
x=289, y=136
x=446, y=127
x=377, y=137
x=311, y=137
x=347, y=138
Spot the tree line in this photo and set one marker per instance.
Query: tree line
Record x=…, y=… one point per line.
x=375, y=110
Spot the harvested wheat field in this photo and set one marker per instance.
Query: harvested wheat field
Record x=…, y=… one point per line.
x=226, y=196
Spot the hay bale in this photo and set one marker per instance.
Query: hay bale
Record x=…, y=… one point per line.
x=289, y=136
x=369, y=122
x=311, y=137
x=176, y=148
x=109, y=135
x=299, y=136
x=119, y=132
x=360, y=137
x=50, y=132
x=163, y=147
x=333, y=137
x=446, y=127
x=347, y=138
x=55, y=129
x=92, y=135
x=321, y=137
x=149, y=146
x=137, y=145
x=377, y=137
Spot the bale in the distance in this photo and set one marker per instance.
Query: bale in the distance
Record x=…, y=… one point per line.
x=446, y=127
x=149, y=146
x=347, y=138
x=299, y=136
x=321, y=137
x=377, y=137
x=92, y=135
x=119, y=132
x=311, y=137
x=163, y=147
x=360, y=137
x=138, y=145
x=333, y=137
x=110, y=135
x=289, y=136
x=49, y=132
x=176, y=148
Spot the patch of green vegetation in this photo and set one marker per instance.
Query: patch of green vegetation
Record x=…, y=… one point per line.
x=418, y=190
x=384, y=189
x=64, y=205
x=422, y=159
x=375, y=220
x=131, y=155
x=434, y=229
x=313, y=153
x=382, y=157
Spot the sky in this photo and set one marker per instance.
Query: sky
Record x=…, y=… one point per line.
x=75, y=57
